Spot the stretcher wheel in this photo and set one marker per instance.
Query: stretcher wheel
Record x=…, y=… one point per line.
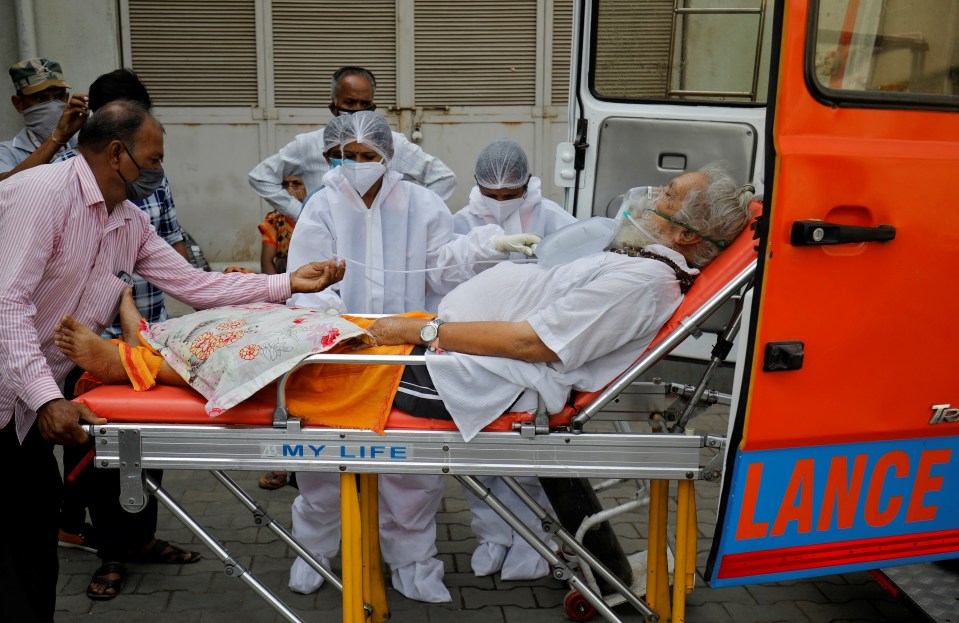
x=577, y=607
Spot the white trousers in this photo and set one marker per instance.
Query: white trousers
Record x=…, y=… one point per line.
x=407, y=522
x=500, y=548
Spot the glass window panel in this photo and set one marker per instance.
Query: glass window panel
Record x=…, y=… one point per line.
x=690, y=50
x=892, y=46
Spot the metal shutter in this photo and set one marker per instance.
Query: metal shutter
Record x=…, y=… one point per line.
x=562, y=40
x=475, y=53
x=195, y=52
x=314, y=38
x=632, y=46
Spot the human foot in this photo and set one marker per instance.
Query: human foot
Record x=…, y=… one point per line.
x=159, y=551
x=130, y=318
x=107, y=581
x=89, y=351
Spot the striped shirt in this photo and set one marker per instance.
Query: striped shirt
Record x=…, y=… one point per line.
x=303, y=156
x=161, y=211
x=60, y=252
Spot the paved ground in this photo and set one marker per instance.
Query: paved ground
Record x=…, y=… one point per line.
x=202, y=592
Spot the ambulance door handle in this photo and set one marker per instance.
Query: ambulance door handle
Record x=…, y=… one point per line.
x=812, y=233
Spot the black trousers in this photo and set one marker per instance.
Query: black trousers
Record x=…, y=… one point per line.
x=417, y=395
x=29, y=505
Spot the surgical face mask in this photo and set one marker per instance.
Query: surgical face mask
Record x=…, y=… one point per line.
x=343, y=111
x=502, y=209
x=146, y=182
x=335, y=162
x=42, y=119
x=362, y=175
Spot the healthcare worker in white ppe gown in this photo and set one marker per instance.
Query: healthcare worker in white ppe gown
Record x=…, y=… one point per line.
x=506, y=194
x=388, y=231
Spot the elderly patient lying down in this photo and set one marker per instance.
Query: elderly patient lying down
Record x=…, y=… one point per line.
x=501, y=338
x=506, y=335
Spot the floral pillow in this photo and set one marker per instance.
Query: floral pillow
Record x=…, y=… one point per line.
x=228, y=353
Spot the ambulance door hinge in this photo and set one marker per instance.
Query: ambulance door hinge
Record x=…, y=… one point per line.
x=133, y=497
x=713, y=468
x=580, y=144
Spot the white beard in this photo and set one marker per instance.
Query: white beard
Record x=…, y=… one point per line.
x=629, y=235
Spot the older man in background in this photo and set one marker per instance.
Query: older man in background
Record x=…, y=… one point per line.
x=352, y=90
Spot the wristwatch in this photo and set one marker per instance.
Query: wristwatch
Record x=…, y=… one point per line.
x=430, y=331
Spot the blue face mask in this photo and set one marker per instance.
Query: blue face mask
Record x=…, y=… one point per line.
x=335, y=162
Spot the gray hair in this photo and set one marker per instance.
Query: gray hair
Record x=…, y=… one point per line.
x=719, y=212
x=343, y=72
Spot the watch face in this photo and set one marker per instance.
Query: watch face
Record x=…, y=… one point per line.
x=428, y=332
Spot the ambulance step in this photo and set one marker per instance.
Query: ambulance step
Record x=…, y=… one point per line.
x=932, y=587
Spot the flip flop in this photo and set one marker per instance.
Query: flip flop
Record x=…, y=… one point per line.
x=100, y=577
x=165, y=553
x=273, y=480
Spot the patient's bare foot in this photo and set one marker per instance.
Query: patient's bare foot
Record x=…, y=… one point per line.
x=89, y=351
x=129, y=318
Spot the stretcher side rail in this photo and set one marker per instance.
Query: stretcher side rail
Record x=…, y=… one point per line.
x=687, y=327
x=134, y=447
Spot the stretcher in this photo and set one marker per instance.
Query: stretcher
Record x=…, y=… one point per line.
x=167, y=428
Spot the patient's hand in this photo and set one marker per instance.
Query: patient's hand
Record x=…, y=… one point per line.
x=396, y=330
x=316, y=276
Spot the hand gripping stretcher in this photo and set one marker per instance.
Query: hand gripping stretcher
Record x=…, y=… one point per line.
x=167, y=428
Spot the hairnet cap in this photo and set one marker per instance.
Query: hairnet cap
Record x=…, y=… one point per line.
x=365, y=127
x=502, y=164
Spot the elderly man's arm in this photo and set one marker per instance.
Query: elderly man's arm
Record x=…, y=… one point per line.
x=162, y=266
x=301, y=155
x=513, y=340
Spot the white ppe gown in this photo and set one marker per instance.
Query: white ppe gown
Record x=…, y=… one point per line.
x=537, y=215
x=303, y=156
x=406, y=228
x=500, y=548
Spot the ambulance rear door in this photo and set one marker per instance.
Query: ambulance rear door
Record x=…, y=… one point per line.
x=845, y=449
x=650, y=99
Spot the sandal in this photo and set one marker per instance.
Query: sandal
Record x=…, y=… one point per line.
x=100, y=577
x=273, y=480
x=165, y=553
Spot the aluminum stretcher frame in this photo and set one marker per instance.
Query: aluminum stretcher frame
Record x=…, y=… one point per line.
x=535, y=451
x=534, y=448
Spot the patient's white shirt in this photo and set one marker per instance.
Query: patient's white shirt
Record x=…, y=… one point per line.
x=598, y=314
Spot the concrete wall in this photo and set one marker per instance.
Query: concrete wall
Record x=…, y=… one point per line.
x=83, y=37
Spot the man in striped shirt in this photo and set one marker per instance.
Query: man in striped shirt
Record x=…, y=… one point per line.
x=66, y=231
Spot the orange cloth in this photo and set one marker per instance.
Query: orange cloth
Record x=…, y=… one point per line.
x=341, y=395
x=141, y=363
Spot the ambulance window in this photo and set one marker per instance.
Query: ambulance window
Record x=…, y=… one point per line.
x=696, y=51
x=895, y=53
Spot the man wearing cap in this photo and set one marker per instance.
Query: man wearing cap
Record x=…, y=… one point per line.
x=50, y=115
